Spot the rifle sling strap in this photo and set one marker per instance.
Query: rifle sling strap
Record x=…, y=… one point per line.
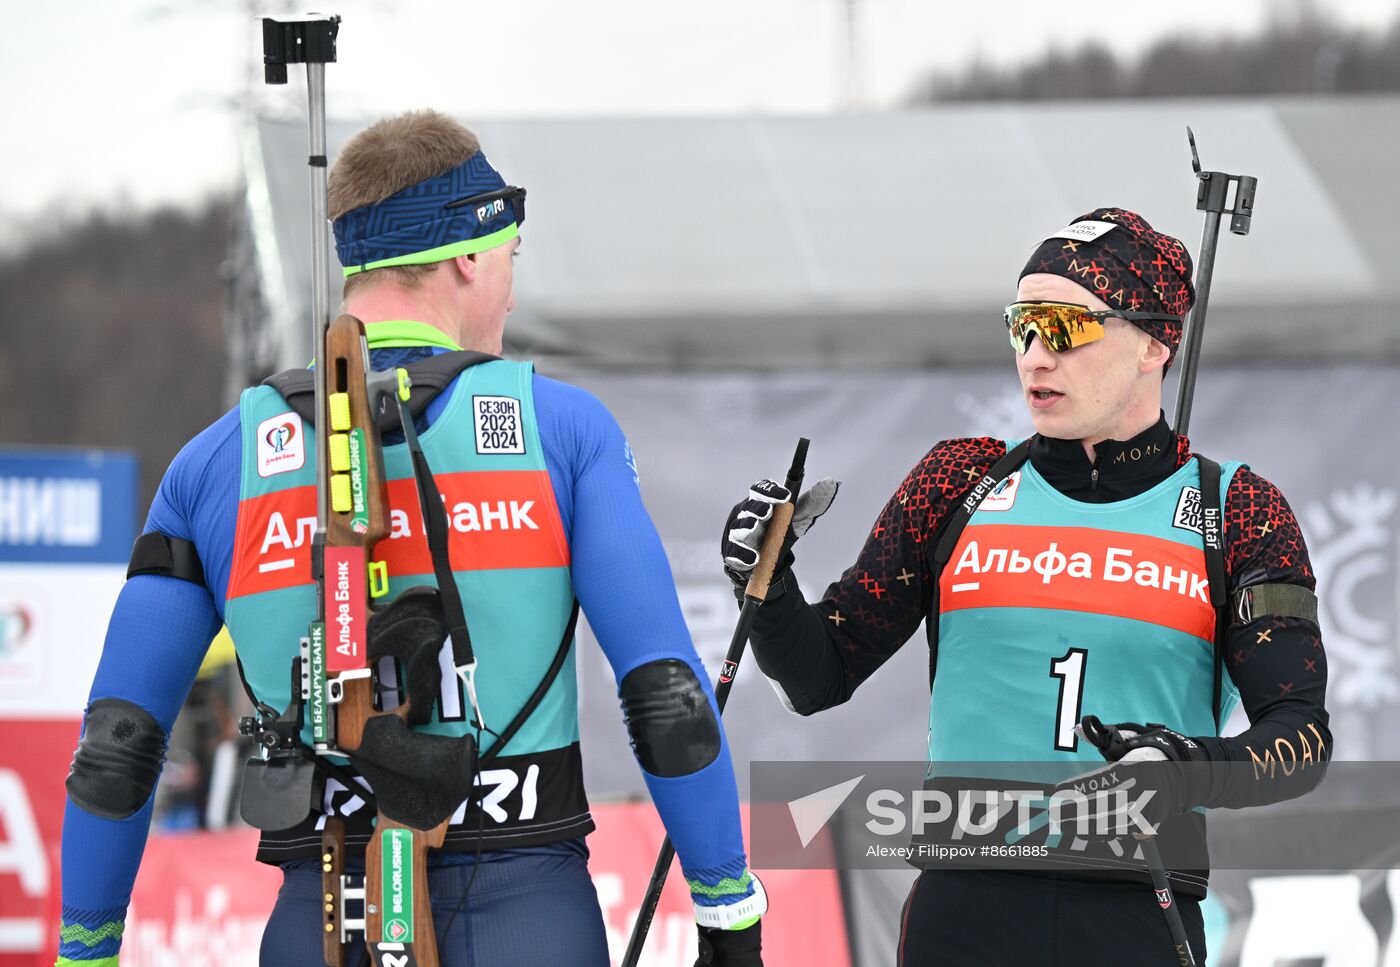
x=436, y=526
x=542, y=689
x=1213, y=534
x=1002, y=469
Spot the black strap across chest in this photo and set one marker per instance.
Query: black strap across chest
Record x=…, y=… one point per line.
x=1213, y=534
x=952, y=531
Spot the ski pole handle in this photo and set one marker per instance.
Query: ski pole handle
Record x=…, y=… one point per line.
x=772, y=547
x=762, y=575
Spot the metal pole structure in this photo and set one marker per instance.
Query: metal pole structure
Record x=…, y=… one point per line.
x=310, y=40
x=320, y=261
x=754, y=594
x=1195, y=324
x=1212, y=192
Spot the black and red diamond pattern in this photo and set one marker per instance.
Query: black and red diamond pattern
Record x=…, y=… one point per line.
x=880, y=601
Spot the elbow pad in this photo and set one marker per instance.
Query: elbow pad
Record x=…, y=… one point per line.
x=672, y=726
x=118, y=759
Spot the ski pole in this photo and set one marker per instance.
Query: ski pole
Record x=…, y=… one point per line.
x=1212, y=190
x=754, y=593
x=1167, y=901
x=1156, y=869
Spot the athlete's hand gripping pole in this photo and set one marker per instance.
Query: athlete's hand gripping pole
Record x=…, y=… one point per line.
x=754, y=593
x=1212, y=193
x=1100, y=737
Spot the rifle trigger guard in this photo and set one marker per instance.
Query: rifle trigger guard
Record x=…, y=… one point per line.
x=335, y=688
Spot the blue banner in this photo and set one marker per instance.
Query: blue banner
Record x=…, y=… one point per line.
x=67, y=506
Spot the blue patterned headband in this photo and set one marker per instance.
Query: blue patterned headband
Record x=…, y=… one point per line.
x=465, y=210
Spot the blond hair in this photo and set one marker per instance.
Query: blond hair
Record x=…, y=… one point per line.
x=384, y=159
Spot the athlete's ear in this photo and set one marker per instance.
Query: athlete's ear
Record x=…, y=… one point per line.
x=466, y=265
x=1154, y=355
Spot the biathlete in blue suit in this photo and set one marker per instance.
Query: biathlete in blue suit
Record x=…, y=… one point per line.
x=542, y=496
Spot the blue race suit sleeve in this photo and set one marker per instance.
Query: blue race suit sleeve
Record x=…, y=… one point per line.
x=159, y=632
x=624, y=585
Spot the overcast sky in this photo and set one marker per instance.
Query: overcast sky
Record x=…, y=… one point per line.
x=137, y=102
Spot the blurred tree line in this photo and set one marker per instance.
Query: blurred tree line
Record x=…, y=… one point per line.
x=114, y=334
x=1300, y=52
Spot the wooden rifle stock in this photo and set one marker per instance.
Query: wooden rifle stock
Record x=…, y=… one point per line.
x=357, y=519
x=346, y=371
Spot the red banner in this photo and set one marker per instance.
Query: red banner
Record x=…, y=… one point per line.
x=805, y=925
x=201, y=900
x=33, y=764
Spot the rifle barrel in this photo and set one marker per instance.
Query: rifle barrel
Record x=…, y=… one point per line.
x=1193, y=337
x=320, y=267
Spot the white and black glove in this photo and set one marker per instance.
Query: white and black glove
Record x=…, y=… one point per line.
x=748, y=523
x=731, y=935
x=1151, y=765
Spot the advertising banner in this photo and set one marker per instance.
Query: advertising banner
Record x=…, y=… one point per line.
x=67, y=522
x=202, y=901
x=807, y=927
x=699, y=440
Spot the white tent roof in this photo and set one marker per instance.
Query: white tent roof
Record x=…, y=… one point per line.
x=894, y=239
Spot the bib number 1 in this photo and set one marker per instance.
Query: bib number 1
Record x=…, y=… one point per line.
x=1069, y=669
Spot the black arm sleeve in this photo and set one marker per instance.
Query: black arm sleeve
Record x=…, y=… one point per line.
x=1277, y=662
x=793, y=648
x=820, y=653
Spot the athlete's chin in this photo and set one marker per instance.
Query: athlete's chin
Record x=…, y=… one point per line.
x=1058, y=426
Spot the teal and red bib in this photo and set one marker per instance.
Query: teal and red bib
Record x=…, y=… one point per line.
x=1051, y=609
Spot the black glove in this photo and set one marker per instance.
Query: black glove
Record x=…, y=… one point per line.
x=1120, y=742
x=1150, y=765
x=748, y=522
x=731, y=948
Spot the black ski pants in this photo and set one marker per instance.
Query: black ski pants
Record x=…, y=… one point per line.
x=994, y=918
